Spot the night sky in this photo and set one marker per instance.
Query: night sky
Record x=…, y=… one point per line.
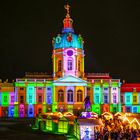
x=110, y=28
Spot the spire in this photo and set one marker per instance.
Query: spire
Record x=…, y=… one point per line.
x=67, y=21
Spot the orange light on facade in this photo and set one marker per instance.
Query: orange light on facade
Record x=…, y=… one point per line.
x=134, y=121
x=71, y=122
x=56, y=121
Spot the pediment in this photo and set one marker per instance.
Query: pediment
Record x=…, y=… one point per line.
x=69, y=79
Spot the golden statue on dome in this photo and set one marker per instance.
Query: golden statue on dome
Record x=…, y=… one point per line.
x=67, y=7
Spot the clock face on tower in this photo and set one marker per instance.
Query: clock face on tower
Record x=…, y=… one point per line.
x=69, y=52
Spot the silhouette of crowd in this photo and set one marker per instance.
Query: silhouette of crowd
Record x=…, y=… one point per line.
x=115, y=129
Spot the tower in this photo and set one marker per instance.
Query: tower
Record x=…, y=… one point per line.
x=68, y=53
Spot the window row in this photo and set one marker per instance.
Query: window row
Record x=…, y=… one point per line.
x=32, y=88
x=29, y=98
x=105, y=88
x=69, y=64
x=129, y=99
x=70, y=96
x=97, y=99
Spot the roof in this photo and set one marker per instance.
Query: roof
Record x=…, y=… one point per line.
x=130, y=87
x=97, y=75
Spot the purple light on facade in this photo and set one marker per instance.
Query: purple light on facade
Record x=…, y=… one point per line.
x=89, y=115
x=21, y=110
x=69, y=52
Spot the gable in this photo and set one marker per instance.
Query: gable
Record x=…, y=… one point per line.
x=70, y=81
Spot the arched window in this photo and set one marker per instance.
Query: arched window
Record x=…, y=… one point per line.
x=60, y=96
x=78, y=65
x=70, y=95
x=69, y=64
x=59, y=65
x=79, y=96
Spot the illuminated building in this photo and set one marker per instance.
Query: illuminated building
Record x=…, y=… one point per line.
x=130, y=97
x=67, y=87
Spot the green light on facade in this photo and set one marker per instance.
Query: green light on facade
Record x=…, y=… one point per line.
x=105, y=85
x=16, y=111
x=49, y=125
x=32, y=84
x=40, y=84
x=5, y=98
x=62, y=126
x=20, y=84
x=114, y=84
x=114, y=108
x=96, y=108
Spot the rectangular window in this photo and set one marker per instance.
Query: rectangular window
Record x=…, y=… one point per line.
x=127, y=99
x=69, y=64
x=63, y=127
x=96, y=88
x=40, y=99
x=39, y=88
x=134, y=98
x=97, y=99
x=128, y=109
x=59, y=65
x=30, y=88
x=105, y=99
x=49, y=125
x=114, y=99
x=49, y=97
x=12, y=99
x=114, y=109
x=30, y=99
x=105, y=89
x=88, y=88
x=78, y=65
x=48, y=88
x=21, y=88
x=122, y=99
x=5, y=98
x=114, y=88
x=97, y=110
x=21, y=99
x=134, y=109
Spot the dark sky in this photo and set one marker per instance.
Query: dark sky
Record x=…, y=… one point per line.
x=111, y=31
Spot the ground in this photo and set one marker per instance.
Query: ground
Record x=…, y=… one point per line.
x=20, y=129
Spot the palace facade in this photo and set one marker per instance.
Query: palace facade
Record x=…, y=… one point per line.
x=66, y=89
